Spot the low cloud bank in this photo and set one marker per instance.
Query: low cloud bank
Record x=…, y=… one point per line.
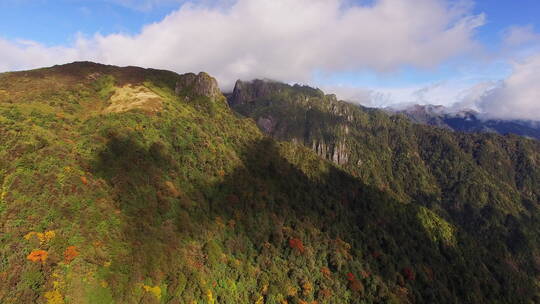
x=517, y=97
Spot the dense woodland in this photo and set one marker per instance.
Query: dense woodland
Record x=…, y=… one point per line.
x=117, y=187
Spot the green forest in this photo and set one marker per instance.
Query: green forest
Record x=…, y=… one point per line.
x=131, y=185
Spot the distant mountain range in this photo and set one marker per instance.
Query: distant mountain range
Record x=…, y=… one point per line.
x=467, y=120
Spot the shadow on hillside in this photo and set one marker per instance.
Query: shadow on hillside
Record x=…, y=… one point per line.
x=137, y=177
x=271, y=201
x=275, y=201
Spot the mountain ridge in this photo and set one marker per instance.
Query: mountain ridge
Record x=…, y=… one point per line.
x=332, y=120
x=467, y=120
x=193, y=203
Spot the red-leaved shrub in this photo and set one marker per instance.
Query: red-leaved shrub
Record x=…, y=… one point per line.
x=297, y=245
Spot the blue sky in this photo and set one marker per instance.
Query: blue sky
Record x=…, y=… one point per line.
x=55, y=22
x=98, y=29
x=502, y=14
x=58, y=21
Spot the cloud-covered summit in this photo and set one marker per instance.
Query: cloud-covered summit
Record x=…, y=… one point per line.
x=517, y=97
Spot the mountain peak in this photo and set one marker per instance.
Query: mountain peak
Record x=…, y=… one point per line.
x=248, y=91
x=200, y=84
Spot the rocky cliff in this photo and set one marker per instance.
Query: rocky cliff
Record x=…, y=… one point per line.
x=266, y=100
x=201, y=84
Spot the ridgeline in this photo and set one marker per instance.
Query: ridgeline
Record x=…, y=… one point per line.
x=131, y=185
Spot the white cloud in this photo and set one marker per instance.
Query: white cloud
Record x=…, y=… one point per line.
x=279, y=39
x=28, y=54
x=469, y=98
x=446, y=93
x=520, y=35
x=515, y=97
x=518, y=96
x=363, y=96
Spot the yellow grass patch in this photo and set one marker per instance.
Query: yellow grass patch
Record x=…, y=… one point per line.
x=155, y=290
x=54, y=297
x=3, y=95
x=131, y=97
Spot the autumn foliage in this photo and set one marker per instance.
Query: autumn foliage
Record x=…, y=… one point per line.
x=297, y=245
x=326, y=272
x=38, y=256
x=70, y=254
x=155, y=290
x=354, y=284
x=43, y=238
x=171, y=188
x=307, y=288
x=325, y=293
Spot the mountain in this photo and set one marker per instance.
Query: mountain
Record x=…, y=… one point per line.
x=467, y=121
x=484, y=184
x=131, y=185
x=387, y=151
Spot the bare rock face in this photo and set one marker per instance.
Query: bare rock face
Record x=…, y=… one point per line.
x=340, y=154
x=202, y=84
x=267, y=124
x=301, y=128
x=335, y=152
x=248, y=91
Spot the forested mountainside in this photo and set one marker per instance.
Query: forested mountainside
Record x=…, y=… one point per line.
x=130, y=185
x=467, y=121
x=413, y=161
x=486, y=184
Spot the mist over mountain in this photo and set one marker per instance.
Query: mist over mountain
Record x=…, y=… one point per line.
x=467, y=120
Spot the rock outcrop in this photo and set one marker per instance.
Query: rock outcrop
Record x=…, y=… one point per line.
x=249, y=91
x=335, y=152
x=307, y=115
x=196, y=85
x=266, y=124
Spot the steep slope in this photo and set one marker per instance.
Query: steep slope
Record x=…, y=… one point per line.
x=486, y=184
x=467, y=121
x=383, y=150
x=128, y=185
